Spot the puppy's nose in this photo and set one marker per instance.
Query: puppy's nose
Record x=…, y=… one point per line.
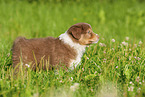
x=97, y=36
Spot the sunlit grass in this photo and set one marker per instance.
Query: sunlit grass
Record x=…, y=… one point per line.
x=115, y=66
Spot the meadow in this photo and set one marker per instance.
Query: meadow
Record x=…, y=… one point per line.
x=114, y=67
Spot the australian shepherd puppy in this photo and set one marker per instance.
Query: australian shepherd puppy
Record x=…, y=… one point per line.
x=46, y=53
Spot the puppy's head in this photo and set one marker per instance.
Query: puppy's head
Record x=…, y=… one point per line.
x=82, y=33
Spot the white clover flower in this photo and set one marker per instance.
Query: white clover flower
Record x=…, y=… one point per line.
x=27, y=65
x=140, y=42
x=71, y=78
x=103, y=39
x=131, y=88
x=128, y=88
x=102, y=45
x=129, y=57
x=138, y=58
x=104, y=60
x=135, y=45
x=125, y=43
x=113, y=40
x=8, y=54
x=130, y=82
x=74, y=87
x=129, y=49
x=95, y=72
x=83, y=69
x=138, y=90
x=127, y=38
x=125, y=54
x=92, y=90
x=137, y=79
x=104, y=52
x=36, y=95
x=139, y=82
x=88, y=58
x=60, y=81
x=116, y=66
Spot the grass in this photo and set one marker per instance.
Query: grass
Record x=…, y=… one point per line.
x=114, y=67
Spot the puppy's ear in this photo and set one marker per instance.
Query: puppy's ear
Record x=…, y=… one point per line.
x=75, y=31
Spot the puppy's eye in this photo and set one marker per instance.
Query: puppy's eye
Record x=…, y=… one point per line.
x=88, y=32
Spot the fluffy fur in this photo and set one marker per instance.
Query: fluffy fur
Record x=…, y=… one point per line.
x=80, y=49
x=48, y=53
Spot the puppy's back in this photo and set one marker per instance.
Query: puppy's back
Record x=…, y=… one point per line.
x=30, y=51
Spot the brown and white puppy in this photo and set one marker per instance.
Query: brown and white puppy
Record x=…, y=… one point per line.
x=46, y=53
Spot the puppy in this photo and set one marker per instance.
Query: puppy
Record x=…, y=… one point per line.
x=47, y=53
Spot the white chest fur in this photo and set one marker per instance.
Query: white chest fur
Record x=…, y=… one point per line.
x=80, y=49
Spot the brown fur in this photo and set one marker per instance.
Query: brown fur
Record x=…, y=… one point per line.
x=48, y=49
x=51, y=52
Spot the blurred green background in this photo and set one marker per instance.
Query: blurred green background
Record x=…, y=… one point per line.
x=40, y=18
x=110, y=19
